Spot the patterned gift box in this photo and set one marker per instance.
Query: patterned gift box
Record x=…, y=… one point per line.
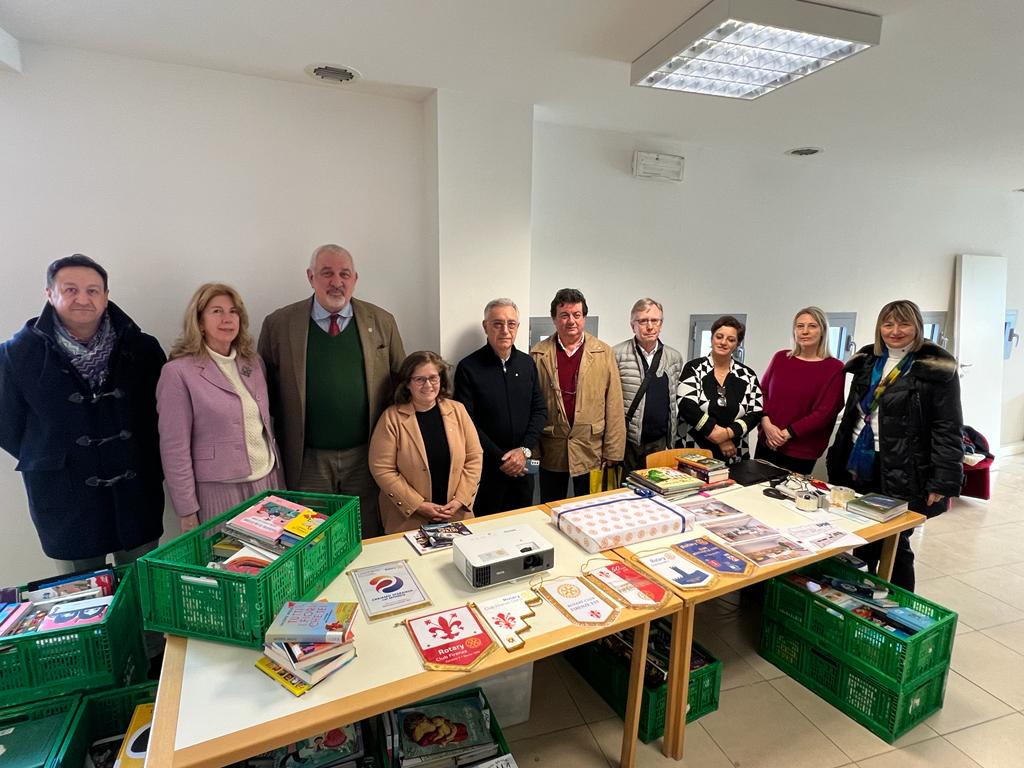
x=624, y=518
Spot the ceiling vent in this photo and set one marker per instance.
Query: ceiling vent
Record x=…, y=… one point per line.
x=326, y=73
x=804, y=151
x=653, y=165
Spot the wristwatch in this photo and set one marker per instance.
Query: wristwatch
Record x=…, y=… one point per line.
x=527, y=453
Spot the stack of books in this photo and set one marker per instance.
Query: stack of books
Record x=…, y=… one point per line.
x=877, y=507
x=454, y=732
x=341, y=747
x=308, y=642
x=59, y=602
x=274, y=524
x=670, y=483
x=867, y=600
x=705, y=468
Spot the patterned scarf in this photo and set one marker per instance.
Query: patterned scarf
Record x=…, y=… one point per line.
x=90, y=358
x=861, y=465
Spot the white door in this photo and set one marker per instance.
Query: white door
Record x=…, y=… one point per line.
x=980, y=315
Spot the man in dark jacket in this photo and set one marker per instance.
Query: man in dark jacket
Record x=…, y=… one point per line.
x=78, y=412
x=498, y=385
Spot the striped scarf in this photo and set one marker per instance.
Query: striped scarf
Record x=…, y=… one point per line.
x=90, y=358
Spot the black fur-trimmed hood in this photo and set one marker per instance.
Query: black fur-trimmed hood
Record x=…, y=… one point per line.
x=931, y=362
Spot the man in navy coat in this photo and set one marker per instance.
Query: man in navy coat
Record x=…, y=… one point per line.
x=498, y=384
x=78, y=412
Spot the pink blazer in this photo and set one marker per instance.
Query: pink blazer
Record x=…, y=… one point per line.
x=202, y=434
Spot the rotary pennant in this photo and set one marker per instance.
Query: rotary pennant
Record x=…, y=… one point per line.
x=506, y=616
x=451, y=639
x=575, y=600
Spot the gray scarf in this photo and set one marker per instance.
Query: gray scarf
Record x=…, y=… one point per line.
x=90, y=358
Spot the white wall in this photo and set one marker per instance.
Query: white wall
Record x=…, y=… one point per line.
x=759, y=235
x=171, y=176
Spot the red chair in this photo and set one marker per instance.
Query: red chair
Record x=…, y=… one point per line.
x=976, y=480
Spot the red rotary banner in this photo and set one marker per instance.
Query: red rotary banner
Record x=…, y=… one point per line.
x=450, y=639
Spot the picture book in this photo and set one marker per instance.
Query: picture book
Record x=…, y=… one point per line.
x=434, y=537
x=248, y=560
x=102, y=582
x=83, y=595
x=267, y=518
x=333, y=747
x=304, y=523
x=76, y=613
x=312, y=674
x=282, y=676
x=13, y=617
x=316, y=622
x=305, y=655
x=29, y=622
x=136, y=738
x=428, y=731
x=226, y=546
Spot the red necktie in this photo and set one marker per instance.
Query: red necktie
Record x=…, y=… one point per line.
x=335, y=329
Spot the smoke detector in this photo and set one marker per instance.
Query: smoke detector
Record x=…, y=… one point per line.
x=330, y=74
x=804, y=151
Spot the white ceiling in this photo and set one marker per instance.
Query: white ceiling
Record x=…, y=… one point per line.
x=941, y=95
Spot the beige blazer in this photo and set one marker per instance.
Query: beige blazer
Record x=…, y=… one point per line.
x=599, y=427
x=282, y=346
x=398, y=462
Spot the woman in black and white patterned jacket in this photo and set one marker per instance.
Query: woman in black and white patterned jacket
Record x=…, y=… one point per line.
x=719, y=397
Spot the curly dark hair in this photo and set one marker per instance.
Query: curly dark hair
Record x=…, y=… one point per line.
x=568, y=296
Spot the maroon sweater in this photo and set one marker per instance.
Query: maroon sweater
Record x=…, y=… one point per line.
x=804, y=397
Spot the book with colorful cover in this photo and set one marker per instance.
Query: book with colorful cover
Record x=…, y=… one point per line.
x=248, y=560
x=335, y=747
x=445, y=729
x=666, y=480
x=316, y=622
x=315, y=673
x=305, y=655
x=283, y=677
x=304, y=523
x=267, y=518
x=433, y=537
x=29, y=622
x=136, y=738
x=877, y=507
x=76, y=613
x=13, y=617
x=102, y=579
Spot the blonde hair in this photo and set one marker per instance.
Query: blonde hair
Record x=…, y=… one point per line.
x=902, y=311
x=819, y=317
x=191, y=341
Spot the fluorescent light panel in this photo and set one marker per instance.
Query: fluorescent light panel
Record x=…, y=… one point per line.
x=746, y=48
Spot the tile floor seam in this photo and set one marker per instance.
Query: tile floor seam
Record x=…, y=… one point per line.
x=997, y=640
x=597, y=741
x=1011, y=713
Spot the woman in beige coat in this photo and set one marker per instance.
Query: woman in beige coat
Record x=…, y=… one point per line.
x=425, y=453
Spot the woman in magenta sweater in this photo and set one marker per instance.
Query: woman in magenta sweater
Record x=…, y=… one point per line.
x=803, y=394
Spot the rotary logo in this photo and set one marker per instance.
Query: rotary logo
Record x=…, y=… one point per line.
x=569, y=590
x=386, y=584
x=473, y=642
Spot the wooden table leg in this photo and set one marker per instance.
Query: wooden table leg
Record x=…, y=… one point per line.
x=678, y=683
x=631, y=724
x=888, y=557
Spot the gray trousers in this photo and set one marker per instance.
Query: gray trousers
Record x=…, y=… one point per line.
x=346, y=472
x=124, y=557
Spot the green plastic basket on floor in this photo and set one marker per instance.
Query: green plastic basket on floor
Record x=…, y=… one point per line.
x=887, y=711
x=100, y=716
x=64, y=708
x=180, y=595
x=111, y=652
x=857, y=641
x=609, y=677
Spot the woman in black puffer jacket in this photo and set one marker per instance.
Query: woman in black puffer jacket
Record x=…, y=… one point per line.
x=909, y=445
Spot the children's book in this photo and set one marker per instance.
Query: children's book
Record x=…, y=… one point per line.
x=313, y=674
x=14, y=617
x=304, y=523
x=444, y=730
x=29, y=622
x=286, y=679
x=267, y=518
x=336, y=747
x=316, y=622
x=76, y=613
x=248, y=560
x=136, y=739
x=102, y=582
x=305, y=655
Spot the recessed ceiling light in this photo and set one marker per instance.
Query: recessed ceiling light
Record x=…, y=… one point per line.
x=744, y=49
x=804, y=151
x=332, y=74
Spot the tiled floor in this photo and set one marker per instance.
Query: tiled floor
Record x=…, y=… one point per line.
x=971, y=559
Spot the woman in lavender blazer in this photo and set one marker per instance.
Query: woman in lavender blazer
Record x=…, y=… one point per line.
x=216, y=441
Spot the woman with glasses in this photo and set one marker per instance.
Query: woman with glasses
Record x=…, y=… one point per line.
x=425, y=453
x=803, y=394
x=719, y=397
x=900, y=433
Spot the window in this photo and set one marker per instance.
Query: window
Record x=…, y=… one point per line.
x=935, y=327
x=700, y=334
x=841, y=326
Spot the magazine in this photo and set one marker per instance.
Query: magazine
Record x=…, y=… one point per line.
x=435, y=537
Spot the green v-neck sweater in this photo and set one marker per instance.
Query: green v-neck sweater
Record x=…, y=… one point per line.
x=337, y=408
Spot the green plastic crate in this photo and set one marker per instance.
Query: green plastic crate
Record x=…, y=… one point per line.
x=609, y=676
x=111, y=652
x=886, y=711
x=180, y=595
x=857, y=641
x=100, y=716
x=65, y=705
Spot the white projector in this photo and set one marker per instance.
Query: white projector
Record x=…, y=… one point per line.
x=496, y=556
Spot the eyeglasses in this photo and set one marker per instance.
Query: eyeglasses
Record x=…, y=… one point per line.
x=420, y=381
x=649, y=321
x=499, y=324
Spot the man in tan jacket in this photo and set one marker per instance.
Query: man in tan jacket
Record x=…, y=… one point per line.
x=330, y=360
x=586, y=427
